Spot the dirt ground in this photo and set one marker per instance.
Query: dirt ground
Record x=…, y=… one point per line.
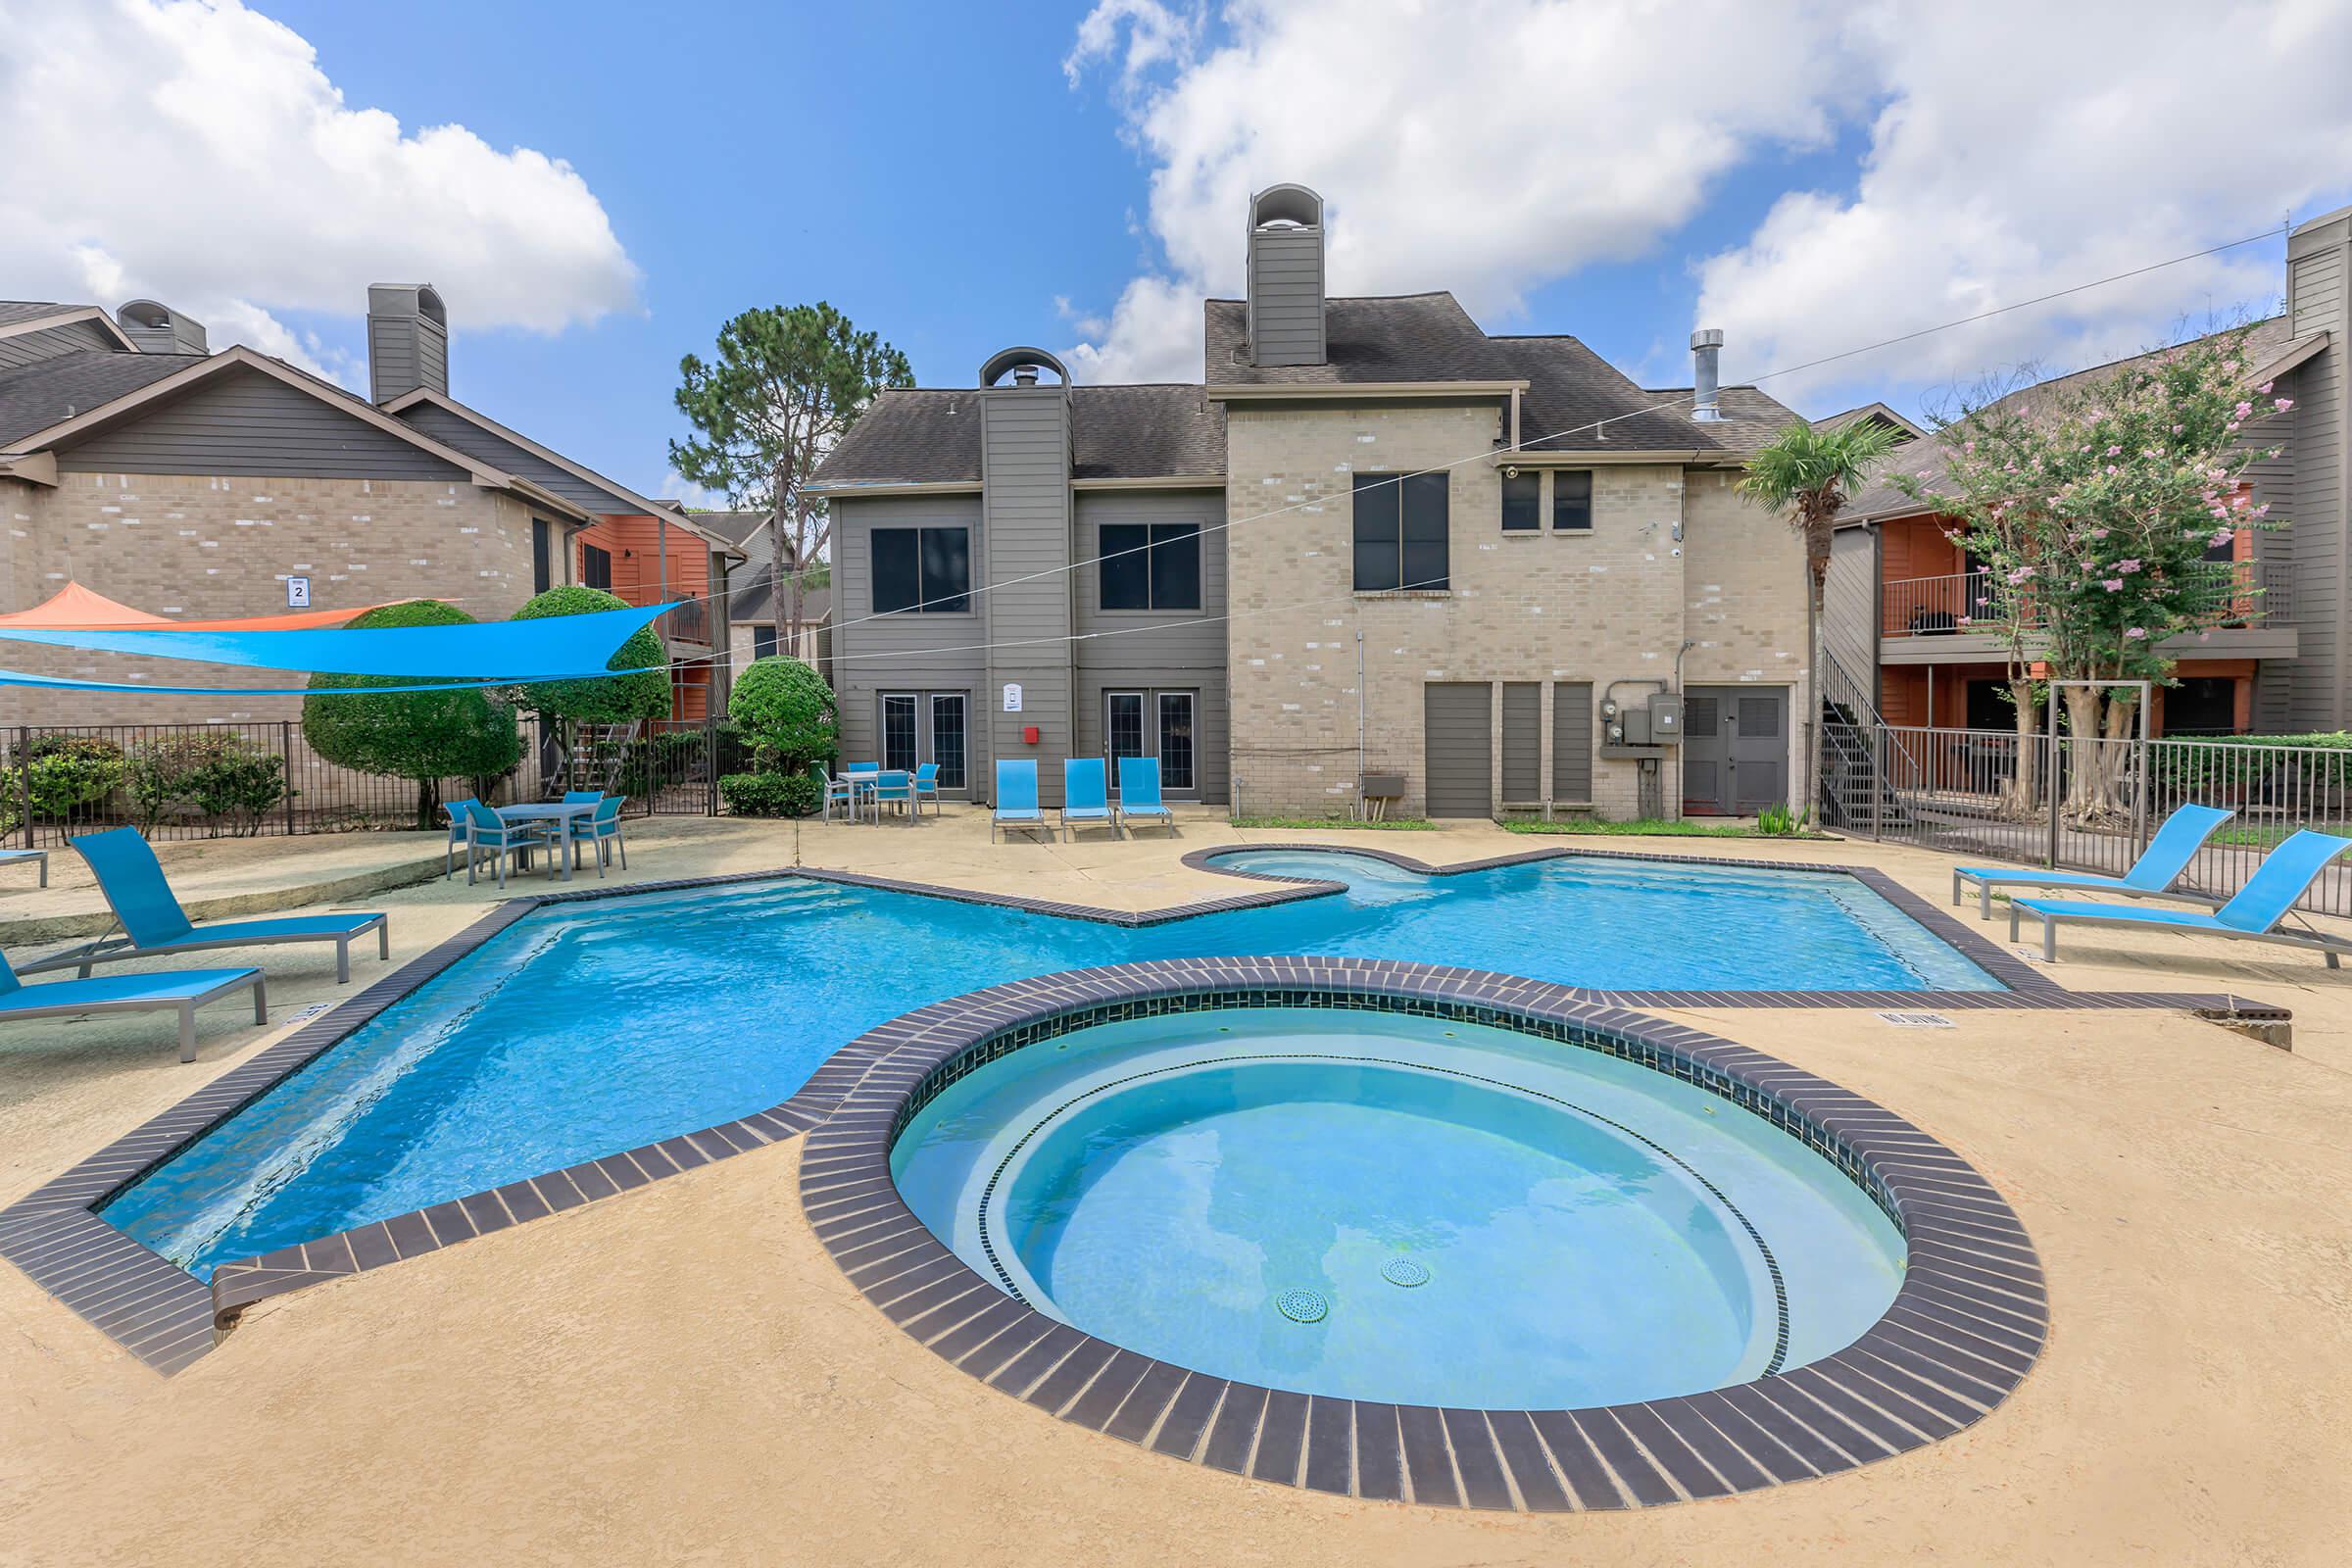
x=682, y=1375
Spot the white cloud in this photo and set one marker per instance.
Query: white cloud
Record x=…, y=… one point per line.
x=2000, y=172
x=1485, y=146
x=195, y=153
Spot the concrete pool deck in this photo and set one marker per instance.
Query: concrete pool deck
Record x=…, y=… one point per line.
x=684, y=1373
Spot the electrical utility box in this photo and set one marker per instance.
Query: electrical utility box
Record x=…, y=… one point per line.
x=1665, y=719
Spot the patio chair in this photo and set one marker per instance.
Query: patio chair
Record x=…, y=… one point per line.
x=1085, y=794
x=153, y=922
x=926, y=786
x=602, y=831
x=456, y=812
x=2152, y=876
x=183, y=989
x=1016, y=798
x=487, y=833
x=10, y=856
x=2253, y=915
x=839, y=790
x=582, y=796
x=895, y=787
x=1139, y=792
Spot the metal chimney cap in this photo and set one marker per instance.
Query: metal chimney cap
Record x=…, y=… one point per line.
x=1707, y=337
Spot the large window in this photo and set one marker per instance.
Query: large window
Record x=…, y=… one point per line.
x=1151, y=566
x=1401, y=525
x=1572, y=500
x=1523, y=500
x=596, y=568
x=928, y=570
x=763, y=642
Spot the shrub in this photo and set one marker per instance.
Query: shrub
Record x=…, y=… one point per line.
x=66, y=773
x=218, y=775
x=2266, y=766
x=1780, y=822
x=771, y=794
x=616, y=701
x=787, y=714
x=426, y=736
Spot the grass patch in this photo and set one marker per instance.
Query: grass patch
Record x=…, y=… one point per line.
x=1650, y=827
x=1394, y=824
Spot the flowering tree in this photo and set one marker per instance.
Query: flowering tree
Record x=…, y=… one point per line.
x=2096, y=508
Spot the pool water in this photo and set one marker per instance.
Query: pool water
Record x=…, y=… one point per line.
x=1379, y=1206
x=590, y=1028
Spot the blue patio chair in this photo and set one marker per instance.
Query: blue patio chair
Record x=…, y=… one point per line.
x=1139, y=792
x=1085, y=794
x=1016, y=798
x=487, y=833
x=926, y=786
x=866, y=767
x=895, y=786
x=837, y=791
x=602, y=833
x=153, y=922
x=2253, y=915
x=2152, y=876
x=582, y=796
x=456, y=812
x=183, y=989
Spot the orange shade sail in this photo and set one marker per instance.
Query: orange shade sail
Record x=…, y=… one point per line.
x=74, y=608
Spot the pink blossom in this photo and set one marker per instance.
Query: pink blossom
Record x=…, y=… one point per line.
x=2220, y=536
x=2231, y=426
x=2230, y=366
x=2283, y=404
x=2178, y=429
x=2098, y=533
x=2115, y=452
x=2265, y=389
x=2113, y=470
x=2242, y=410
x=2136, y=633
x=2205, y=636
x=2114, y=585
x=2089, y=566
x=2021, y=574
x=2128, y=565
x=2263, y=511
x=1970, y=446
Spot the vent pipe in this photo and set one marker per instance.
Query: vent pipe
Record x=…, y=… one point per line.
x=157, y=328
x=1706, y=344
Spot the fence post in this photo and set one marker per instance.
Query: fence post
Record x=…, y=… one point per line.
x=709, y=764
x=286, y=752
x=25, y=782
x=2049, y=781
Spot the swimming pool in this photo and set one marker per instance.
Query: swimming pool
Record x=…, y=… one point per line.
x=1400, y=1209
x=585, y=1029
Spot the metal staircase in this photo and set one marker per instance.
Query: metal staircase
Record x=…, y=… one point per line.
x=1859, y=752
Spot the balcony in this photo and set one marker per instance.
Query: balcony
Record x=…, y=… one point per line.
x=1976, y=605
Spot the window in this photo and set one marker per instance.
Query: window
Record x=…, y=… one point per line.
x=947, y=738
x=1400, y=522
x=1155, y=566
x=898, y=730
x=596, y=568
x=1522, y=501
x=763, y=642
x=1123, y=724
x=1572, y=500
x=542, y=557
x=1176, y=740
x=927, y=569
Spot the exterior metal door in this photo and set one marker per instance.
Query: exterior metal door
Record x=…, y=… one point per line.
x=1735, y=750
x=1457, y=727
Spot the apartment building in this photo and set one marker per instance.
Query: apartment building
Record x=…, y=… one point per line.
x=1378, y=551
x=1903, y=595
x=137, y=462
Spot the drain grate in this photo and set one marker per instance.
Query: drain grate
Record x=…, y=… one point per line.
x=1404, y=1271
x=1302, y=1306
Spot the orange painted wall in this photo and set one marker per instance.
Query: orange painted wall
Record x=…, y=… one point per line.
x=635, y=544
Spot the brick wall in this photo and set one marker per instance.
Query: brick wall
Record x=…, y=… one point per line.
x=1611, y=604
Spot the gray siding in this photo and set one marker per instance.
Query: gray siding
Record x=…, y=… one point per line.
x=456, y=430
x=50, y=341
x=1849, y=626
x=247, y=423
x=405, y=353
x=1458, y=723
x=1025, y=533
x=919, y=652
x=1164, y=657
x=1572, y=742
x=1285, y=296
x=1522, y=743
x=2274, y=481
x=2319, y=296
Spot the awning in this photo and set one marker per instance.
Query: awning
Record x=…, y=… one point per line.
x=74, y=608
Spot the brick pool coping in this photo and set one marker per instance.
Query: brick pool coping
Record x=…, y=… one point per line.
x=1965, y=1326
x=167, y=1318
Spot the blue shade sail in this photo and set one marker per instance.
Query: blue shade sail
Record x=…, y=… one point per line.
x=496, y=652
x=63, y=683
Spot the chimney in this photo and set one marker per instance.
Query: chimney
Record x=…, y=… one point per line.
x=1705, y=345
x=157, y=328
x=1285, y=276
x=408, y=340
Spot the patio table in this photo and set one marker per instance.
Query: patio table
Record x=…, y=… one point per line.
x=863, y=783
x=559, y=814
x=43, y=855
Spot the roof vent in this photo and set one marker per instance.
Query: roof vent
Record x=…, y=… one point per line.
x=157, y=328
x=1706, y=403
x=1022, y=364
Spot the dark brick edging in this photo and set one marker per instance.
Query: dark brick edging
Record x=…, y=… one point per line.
x=1964, y=1329
x=167, y=1317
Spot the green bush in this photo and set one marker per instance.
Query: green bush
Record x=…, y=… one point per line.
x=1780, y=822
x=426, y=736
x=786, y=714
x=2319, y=762
x=218, y=775
x=771, y=794
x=64, y=775
x=616, y=701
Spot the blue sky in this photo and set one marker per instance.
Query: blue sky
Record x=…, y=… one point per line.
x=965, y=177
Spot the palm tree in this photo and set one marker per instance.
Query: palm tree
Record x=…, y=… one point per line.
x=1810, y=475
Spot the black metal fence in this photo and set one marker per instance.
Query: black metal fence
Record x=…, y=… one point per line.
x=190, y=781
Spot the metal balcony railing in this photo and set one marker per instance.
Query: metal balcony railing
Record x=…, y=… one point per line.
x=2232, y=593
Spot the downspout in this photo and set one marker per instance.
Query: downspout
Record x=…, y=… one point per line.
x=1362, y=807
x=1688, y=643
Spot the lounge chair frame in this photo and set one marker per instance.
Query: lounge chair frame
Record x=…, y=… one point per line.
x=186, y=1006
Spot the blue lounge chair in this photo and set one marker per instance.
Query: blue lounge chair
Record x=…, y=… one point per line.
x=1085, y=794
x=153, y=922
x=600, y=831
x=2283, y=876
x=1016, y=799
x=458, y=814
x=1139, y=792
x=2152, y=876
x=183, y=989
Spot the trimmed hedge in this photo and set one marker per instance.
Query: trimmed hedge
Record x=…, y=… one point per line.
x=771, y=794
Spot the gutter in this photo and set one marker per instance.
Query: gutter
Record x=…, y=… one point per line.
x=1357, y=391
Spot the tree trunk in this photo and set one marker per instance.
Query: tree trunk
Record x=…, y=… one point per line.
x=2098, y=753
x=787, y=631
x=2024, y=790
x=429, y=803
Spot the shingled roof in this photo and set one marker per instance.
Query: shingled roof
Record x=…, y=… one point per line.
x=926, y=435
x=33, y=397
